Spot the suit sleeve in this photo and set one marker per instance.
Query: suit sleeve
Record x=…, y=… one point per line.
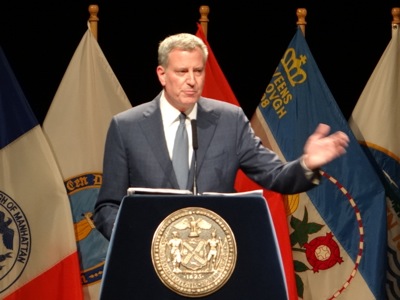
x=265, y=167
x=115, y=181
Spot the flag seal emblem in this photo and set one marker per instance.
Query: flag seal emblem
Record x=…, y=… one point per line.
x=323, y=252
x=15, y=243
x=83, y=191
x=194, y=252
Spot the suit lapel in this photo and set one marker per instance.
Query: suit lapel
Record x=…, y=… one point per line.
x=207, y=120
x=154, y=132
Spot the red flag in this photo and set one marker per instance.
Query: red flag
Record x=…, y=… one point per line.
x=216, y=86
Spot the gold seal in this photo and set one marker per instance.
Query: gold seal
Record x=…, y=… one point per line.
x=194, y=252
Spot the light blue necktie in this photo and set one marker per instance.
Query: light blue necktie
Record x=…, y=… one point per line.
x=180, y=154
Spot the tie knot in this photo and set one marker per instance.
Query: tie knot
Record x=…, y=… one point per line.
x=182, y=118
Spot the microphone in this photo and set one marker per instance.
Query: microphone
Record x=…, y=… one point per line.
x=195, y=144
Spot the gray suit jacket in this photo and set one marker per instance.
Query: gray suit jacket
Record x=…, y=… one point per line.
x=136, y=155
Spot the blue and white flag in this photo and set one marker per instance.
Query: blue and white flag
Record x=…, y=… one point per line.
x=337, y=229
x=38, y=253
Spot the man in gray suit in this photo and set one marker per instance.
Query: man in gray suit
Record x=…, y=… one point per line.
x=138, y=150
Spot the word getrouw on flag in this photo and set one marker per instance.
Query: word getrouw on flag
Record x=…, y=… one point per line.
x=76, y=126
x=216, y=86
x=375, y=123
x=38, y=253
x=338, y=229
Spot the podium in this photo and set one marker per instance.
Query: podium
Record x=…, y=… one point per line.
x=129, y=272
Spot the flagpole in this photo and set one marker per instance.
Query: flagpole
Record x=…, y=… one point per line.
x=93, y=19
x=301, y=19
x=396, y=15
x=204, y=11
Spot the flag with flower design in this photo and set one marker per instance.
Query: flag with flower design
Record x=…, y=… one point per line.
x=337, y=229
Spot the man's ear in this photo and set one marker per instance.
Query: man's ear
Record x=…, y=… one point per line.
x=161, y=75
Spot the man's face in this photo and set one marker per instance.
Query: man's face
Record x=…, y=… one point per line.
x=183, y=78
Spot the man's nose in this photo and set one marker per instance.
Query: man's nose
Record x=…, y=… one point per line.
x=190, y=78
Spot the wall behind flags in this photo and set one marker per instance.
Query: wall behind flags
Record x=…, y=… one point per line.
x=248, y=38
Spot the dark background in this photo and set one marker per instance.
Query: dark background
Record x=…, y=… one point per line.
x=248, y=38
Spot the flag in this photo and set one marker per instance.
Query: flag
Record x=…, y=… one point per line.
x=375, y=124
x=76, y=125
x=216, y=86
x=38, y=253
x=337, y=229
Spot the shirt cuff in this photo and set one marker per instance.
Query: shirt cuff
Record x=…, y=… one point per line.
x=312, y=175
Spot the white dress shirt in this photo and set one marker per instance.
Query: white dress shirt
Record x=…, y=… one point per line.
x=170, y=119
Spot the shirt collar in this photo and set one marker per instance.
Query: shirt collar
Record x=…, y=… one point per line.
x=170, y=114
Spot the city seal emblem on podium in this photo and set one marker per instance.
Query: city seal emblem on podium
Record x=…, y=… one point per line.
x=194, y=252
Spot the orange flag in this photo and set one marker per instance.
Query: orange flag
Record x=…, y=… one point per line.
x=216, y=86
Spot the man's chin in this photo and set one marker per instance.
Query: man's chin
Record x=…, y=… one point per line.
x=190, y=100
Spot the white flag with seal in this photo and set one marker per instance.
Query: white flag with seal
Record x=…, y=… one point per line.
x=76, y=126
